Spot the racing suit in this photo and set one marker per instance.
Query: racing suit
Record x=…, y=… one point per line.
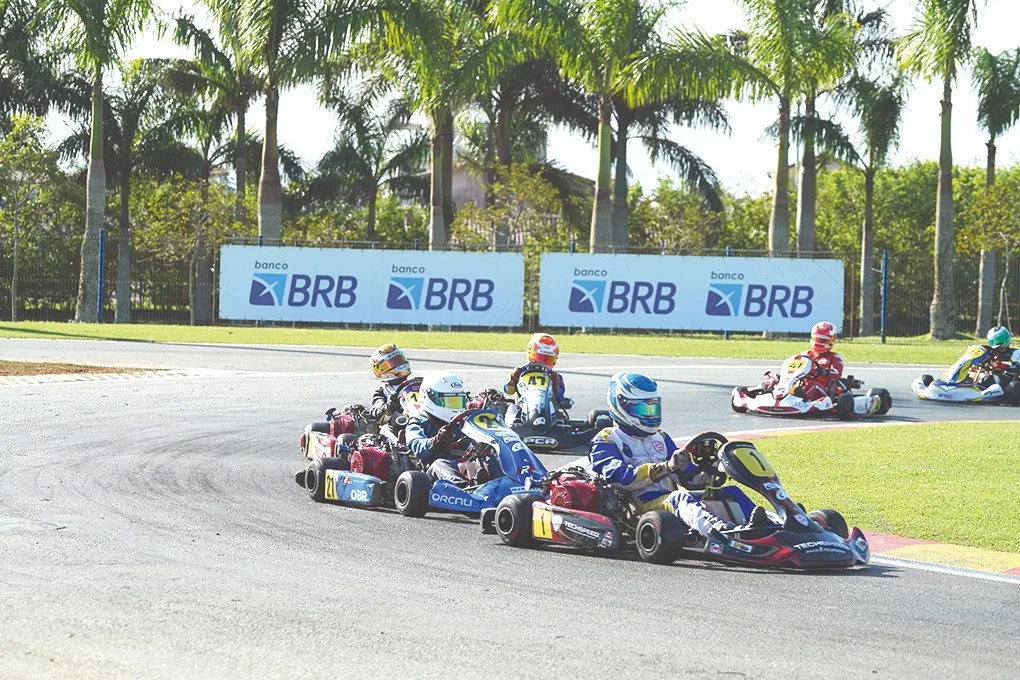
x=1001, y=360
x=828, y=369
x=627, y=460
x=422, y=441
x=380, y=407
x=559, y=389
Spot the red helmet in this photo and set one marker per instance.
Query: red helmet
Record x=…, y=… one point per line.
x=542, y=349
x=823, y=336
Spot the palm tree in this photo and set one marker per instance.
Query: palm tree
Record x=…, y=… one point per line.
x=292, y=39
x=372, y=150
x=96, y=32
x=879, y=108
x=28, y=72
x=229, y=73
x=938, y=44
x=997, y=78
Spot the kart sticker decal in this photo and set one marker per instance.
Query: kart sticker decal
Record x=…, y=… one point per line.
x=754, y=462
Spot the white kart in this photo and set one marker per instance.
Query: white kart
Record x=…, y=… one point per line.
x=780, y=394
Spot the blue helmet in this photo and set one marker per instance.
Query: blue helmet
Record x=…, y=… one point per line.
x=635, y=403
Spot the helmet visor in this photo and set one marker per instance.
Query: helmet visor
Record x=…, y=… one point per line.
x=647, y=411
x=393, y=364
x=457, y=402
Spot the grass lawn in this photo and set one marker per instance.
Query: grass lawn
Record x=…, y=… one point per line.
x=899, y=350
x=948, y=482
x=20, y=368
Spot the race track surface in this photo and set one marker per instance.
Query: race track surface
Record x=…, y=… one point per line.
x=186, y=550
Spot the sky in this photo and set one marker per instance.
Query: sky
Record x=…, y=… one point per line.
x=743, y=159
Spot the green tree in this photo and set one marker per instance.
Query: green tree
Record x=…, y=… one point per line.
x=228, y=72
x=938, y=44
x=994, y=221
x=96, y=32
x=997, y=78
x=25, y=167
x=30, y=78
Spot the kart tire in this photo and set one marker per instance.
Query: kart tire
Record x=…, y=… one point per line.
x=513, y=519
x=733, y=401
x=927, y=380
x=411, y=493
x=659, y=537
x=599, y=419
x=884, y=397
x=315, y=476
x=832, y=521
x=1011, y=393
x=845, y=406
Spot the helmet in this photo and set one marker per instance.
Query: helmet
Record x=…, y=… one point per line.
x=389, y=363
x=542, y=349
x=999, y=337
x=635, y=403
x=442, y=395
x=823, y=336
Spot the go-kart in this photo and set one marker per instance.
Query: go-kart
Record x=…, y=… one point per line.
x=781, y=394
x=578, y=509
x=975, y=378
x=539, y=420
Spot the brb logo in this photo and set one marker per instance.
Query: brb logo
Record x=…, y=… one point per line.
x=430, y=293
x=270, y=289
x=754, y=300
x=591, y=296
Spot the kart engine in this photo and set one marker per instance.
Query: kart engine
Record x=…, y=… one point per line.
x=576, y=494
x=370, y=461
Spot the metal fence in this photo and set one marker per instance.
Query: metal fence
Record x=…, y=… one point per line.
x=163, y=288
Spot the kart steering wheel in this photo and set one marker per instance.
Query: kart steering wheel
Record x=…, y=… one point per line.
x=701, y=451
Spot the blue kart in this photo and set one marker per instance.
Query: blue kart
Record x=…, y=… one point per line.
x=511, y=468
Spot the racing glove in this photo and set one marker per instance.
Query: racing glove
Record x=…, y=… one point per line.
x=566, y=403
x=440, y=442
x=393, y=403
x=676, y=463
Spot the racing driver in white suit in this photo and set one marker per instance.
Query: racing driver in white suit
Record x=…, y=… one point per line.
x=639, y=457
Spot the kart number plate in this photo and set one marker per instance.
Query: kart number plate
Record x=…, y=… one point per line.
x=533, y=379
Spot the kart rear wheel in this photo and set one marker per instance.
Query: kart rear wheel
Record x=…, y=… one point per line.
x=513, y=519
x=315, y=476
x=411, y=493
x=599, y=418
x=831, y=520
x=845, y=406
x=1011, y=393
x=734, y=395
x=659, y=537
x=884, y=397
x=927, y=380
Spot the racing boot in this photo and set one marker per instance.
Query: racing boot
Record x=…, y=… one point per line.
x=757, y=521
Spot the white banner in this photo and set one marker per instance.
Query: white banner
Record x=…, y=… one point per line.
x=371, y=286
x=690, y=293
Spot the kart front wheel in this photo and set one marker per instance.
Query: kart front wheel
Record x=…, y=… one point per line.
x=884, y=398
x=411, y=493
x=659, y=537
x=513, y=519
x=832, y=521
x=734, y=397
x=1011, y=393
x=315, y=476
x=845, y=406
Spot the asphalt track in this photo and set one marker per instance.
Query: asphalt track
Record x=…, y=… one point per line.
x=186, y=550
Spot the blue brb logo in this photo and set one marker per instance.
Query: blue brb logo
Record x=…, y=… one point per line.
x=414, y=293
x=267, y=290
x=590, y=296
x=724, y=299
x=300, y=290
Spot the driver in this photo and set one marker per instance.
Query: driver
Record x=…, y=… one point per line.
x=1003, y=358
x=828, y=366
x=390, y=365
x=430, y=434
x=638, y=456
x=542, y=349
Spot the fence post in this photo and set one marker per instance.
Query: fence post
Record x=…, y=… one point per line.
x=260, y=240
x=729, y=252
x=102, y=275
x=885, y=289
x=573, y=245
x=416, y=242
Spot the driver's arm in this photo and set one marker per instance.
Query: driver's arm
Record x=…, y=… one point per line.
x=510, y=387
x=379, y=403
x=607, y=461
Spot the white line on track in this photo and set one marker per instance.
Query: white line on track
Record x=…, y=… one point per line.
x=940, y=569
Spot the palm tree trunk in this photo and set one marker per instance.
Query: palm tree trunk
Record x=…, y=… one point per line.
x=437, y=225
x=95, y=210
x=270, y=198
x=373, y=197
x=986, y=273
x=807, y=191
x=14, y=264
x=240, y=164
x=602, y=211
x=621, y=214
x=942, y=326
x=448, y=207
x=201, y=265
x=122, y=314
x=779, y=222
x=504, y=111
x=867, y=268
x=490, y=161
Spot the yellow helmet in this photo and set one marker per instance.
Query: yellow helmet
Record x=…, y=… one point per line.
x=389, y=363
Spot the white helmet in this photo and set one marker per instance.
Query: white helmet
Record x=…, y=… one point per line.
x=635, y=403
x=442, y=395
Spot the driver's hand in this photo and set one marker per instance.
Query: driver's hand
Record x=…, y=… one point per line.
x=566, y=402
x=444, y=435
x=394, y=402
x=515, y=375
x=679, y=461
